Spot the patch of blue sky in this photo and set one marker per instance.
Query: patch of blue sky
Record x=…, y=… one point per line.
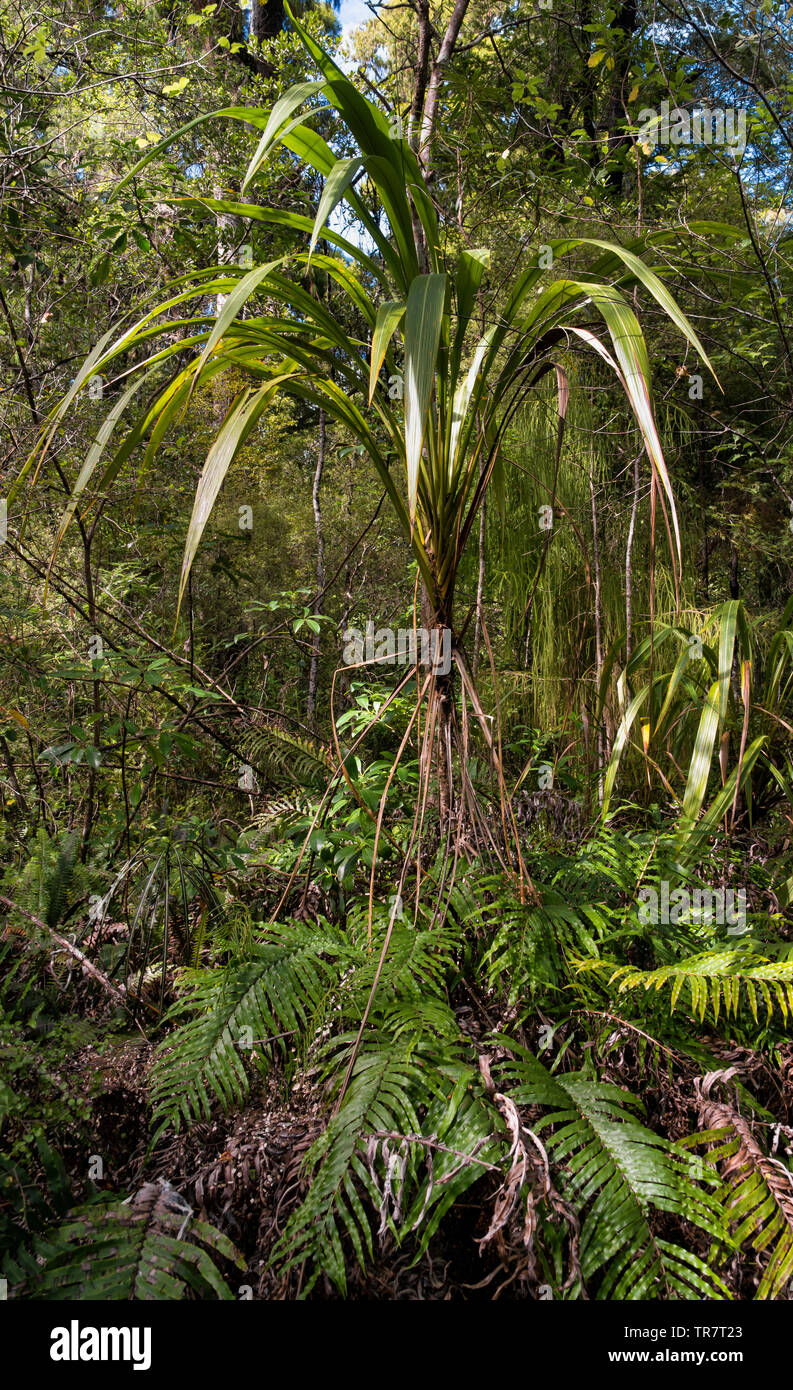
x=352, y=14
x=342, y=221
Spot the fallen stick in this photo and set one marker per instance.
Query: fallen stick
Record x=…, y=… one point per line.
x=119, y=991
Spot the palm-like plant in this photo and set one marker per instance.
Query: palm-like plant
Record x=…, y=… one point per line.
x=436, y=446
x=692, y=710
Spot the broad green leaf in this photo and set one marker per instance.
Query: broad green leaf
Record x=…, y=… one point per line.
x=235, y=302
x=238, y=424
x=729, y=618
x=92, y=458
x=343, y=173
x=391, y=164
x=315, y=151
x=462, y=401
x=294, y=220
x=471, y=266
x=423, y=322
x=389, y=316
x=694, y=836
x=251, y=115
x=701, y=758
x=389, y=182
x=631, y=352
x=280, y=116
x=88, y=369
x=620, y=742
x=681, y=666
x=658, y=290
x=366, y=122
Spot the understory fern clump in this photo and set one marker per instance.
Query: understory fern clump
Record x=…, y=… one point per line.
x=49, y=881
x=406, y=1115
x=227, y=1014
x=478, y=1050
x=577, y=1188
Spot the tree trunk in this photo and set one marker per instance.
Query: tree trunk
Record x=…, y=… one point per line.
x=624, y=26
x=315, y=502
x=735, y=587
x=434, y=85
x=424, y=107
x=267, y=19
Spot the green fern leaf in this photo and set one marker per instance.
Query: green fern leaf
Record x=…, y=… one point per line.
x=110, y=1250
x=618, y=1171
x=226, y=1012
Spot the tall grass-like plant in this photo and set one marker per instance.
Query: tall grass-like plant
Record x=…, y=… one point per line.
x=710, y=715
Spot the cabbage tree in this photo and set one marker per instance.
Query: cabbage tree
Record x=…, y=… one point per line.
x=425, y=392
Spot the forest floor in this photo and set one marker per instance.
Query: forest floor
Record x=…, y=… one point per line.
x=242, y=1170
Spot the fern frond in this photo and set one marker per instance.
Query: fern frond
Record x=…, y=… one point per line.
x=617, y=1171
x=757, y=1191
x=144, y=1251
x=58, y=882
x=715, y=979
x=289, y=758
x=525, y=942
x=393, y=1079
x=278, y=990
x=609, y=861
x=419, y=958
x=29, y=1205
x=530, y=945
x=465, y=1142
x=282, y=814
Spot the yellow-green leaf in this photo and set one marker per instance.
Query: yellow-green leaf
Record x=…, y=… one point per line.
x=389, y=316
